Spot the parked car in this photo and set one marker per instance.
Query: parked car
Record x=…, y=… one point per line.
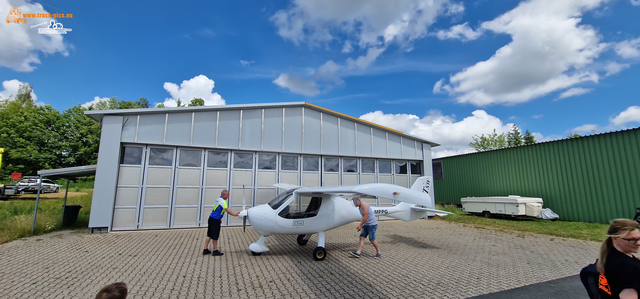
x=9, y=190
x=30, y=184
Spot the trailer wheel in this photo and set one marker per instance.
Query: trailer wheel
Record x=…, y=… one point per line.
x=486, y=214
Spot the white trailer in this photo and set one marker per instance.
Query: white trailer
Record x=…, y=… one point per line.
x=512, y=205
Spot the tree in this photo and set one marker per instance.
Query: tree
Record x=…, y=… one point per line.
x=32, y=136
x=573, y=135
x=180, y=103
x=490, y=142
x=115, y=103
x=529, y=138
x=142, y=103
x=24, y=95
x=514, y=137
x=197, y=102
x=161, y=105
x=82, y=137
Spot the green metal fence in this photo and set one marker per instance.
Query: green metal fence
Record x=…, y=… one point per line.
x=591, y=179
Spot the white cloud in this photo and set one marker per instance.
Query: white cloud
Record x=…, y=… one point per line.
x=631, y=114
x=347, y=48
x=197, y=87
x=364, y=61
x=461, y=31
x=537, y=116
x=550, y=51
x=21, y=44
x=588, y=128
x=454, y=136
x=372, y=25
x=321, y=80
x=628, y=48
x=297, y=84
x=613, y=68
x=635, y=2
x=572, y=92
x=11, y=89
x=247, y=63
x=96, y=99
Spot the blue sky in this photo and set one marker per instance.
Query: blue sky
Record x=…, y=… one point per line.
x=441, y=70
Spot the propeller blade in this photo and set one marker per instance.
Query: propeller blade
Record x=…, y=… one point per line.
x=244, y=224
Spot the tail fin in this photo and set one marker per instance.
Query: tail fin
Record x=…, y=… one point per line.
x=422, y=184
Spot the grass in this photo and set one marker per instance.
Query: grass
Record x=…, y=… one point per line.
x=562, y=229
x=16, y=216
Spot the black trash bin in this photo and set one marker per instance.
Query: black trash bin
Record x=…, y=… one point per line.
x=70, y=214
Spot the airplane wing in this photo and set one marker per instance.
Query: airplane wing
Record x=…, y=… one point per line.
x=394, y=192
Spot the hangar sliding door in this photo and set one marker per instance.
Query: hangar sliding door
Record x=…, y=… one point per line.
x=385, y=176
x=330, y=171
x=186, y=194
x=158, y=186
x=242, y=171
x=129, y=186
x=216, y=179
x=310, y=171
x=267, y=176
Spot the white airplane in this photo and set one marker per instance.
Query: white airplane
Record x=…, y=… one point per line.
x=307, y=211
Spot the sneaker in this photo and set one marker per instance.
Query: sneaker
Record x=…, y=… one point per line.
x=377, y=256
x=355, y=254
x=206, y=251
x=216, y=253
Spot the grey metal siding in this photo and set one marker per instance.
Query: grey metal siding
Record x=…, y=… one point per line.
x=229, y=131
x=204, y=128
x=347, y=137
x=272, y=129
x=293, y=129
x=379, y=143
x=251, y=129
x=395, y=148
x=129, y=126
x=104, y=192
x=364, y=140
x=330, y=133
x=312, y=131
x=151, y=128
x=178, y=128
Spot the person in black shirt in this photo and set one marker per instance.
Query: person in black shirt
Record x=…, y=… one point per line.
x=619, y=268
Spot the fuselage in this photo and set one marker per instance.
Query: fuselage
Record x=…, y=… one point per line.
x=334, y=211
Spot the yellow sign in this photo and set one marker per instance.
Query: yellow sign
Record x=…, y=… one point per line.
x=1, y=151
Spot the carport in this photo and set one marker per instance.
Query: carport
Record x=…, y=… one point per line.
x=66, y=173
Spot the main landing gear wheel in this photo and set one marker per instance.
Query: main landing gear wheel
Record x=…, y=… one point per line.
x=319, y=253
x=255, y=253
x=301, y=240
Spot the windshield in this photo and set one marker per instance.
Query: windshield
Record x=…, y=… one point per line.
x=279, y=199
x=29, y=181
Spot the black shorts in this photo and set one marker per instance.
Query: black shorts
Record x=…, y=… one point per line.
x=213, y=231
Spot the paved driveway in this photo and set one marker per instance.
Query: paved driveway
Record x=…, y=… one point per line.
x=421, y=259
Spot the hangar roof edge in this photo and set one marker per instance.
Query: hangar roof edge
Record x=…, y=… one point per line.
x=99, y=114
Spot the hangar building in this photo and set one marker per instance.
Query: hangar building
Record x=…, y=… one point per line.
x=164, y=167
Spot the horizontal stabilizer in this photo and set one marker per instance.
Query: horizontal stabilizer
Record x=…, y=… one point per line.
x=431, y=210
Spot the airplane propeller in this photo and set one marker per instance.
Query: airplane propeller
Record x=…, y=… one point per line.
x=244, y=218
